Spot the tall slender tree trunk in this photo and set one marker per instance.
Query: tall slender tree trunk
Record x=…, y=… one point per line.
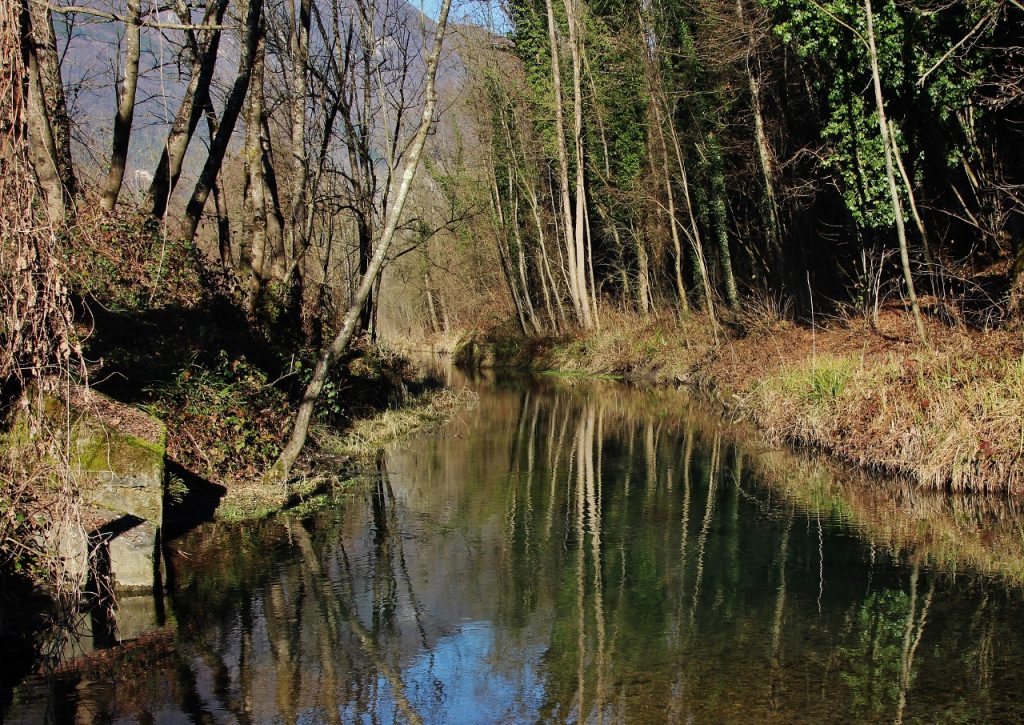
x=662, y=151
x=572, y=261
x=193, y=101
x=125, y=106
x=504, y=254
x=299, y=173
x=721, y=220
x=531, y=313
x=232, y=109
x=694, y=231
x=48, y=106
x=894, y=194
x=581, y=236
x=279, y=471
x=255, y=211
x=546, y=268
x=762, y=147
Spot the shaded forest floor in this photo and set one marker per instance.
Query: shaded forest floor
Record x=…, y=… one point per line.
x=163, y=333
x=948, y=416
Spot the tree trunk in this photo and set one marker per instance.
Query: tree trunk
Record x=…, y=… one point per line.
x=721, y=221
x=504, y=255
x=580, y=229
x=279, y=471
x=762, y=147
x=46, y=102
x=255, y=212
x=531, y=313
x=125, y=106
x=42, y=148
x=643, y=275
x=232, y=109
x=572, y=261
x=694, y=231
x=299, y=173
x=894, y=194
x=204, y=61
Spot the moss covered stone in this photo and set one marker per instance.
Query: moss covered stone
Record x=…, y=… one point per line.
x=117, y=470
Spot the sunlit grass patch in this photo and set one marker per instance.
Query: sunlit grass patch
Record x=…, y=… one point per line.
x=368, y=436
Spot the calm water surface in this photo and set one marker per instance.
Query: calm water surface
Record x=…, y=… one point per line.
x=576, y=553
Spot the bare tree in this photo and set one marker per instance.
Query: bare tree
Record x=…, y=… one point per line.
x=125, y=106
x=225, y=128
x=202, y=52
x=279, y=471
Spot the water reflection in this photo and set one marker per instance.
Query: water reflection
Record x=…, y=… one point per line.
x=581, y=553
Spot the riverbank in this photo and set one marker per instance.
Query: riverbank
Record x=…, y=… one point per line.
x=338, y=457
x=947, y=416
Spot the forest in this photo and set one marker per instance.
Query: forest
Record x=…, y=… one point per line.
x=241, y=216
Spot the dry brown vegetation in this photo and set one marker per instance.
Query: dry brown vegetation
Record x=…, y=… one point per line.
x=948, y=416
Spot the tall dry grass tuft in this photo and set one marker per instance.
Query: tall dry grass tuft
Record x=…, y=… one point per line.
x=657, y=346
x=950, y=416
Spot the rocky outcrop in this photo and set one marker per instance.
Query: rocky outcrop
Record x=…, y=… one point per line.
x=117, y=460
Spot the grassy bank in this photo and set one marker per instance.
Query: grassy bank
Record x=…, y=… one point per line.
x=947, y=416
x=338, y=456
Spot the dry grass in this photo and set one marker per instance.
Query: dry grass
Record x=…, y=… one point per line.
x=949, y=416
x=365, y=438
x=250, y=500
x=652, y=347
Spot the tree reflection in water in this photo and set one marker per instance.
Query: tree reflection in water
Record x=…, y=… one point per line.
x=578, y=552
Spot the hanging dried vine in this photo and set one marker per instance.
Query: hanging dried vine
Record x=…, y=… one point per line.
x=38, y=350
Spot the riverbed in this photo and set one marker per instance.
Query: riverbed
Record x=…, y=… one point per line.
x=573, y=551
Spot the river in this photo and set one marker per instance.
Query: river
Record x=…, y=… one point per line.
x=576, y=551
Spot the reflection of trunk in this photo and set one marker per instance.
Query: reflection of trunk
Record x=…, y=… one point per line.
x=709, y=510
x=226, y=127
x=593, y=483
x=581, y=536
x=284, y=623
x=780, y=608
x=912, y=633
x=125, y=105
x=335, y=611
x=684, y=525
